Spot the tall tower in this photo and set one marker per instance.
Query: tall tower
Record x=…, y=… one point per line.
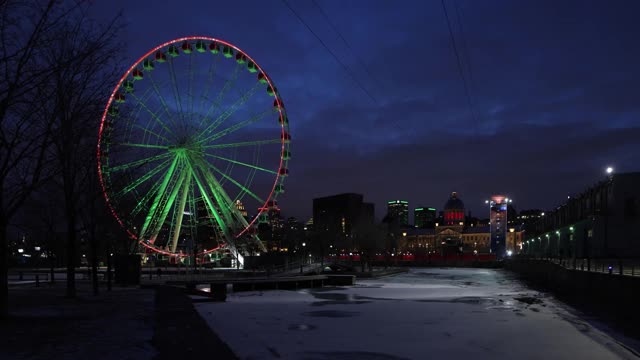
x=399, y=209
x=498, y=207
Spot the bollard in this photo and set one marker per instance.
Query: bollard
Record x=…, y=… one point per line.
x=37, y=280
x=20, y=274
x=610, y=269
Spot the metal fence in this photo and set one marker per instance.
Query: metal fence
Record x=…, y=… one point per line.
x=623, y=267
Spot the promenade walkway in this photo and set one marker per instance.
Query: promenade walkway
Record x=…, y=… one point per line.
x=126, y=323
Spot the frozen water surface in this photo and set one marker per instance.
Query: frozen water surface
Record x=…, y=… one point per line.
x=424, y=314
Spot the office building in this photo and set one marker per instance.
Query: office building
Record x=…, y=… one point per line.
x=398, y=211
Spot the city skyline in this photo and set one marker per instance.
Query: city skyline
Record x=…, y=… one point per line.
x=558, y=117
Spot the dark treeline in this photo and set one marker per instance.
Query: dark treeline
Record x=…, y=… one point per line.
x=57, y=69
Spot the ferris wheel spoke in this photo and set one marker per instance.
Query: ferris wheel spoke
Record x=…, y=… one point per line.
x=223, y=92
x=158, y=136
x=142, y=179
x=210, y=81
x=190, y=93
x=243, y=144
x=236, y=127
x=145, y=199
x=251, y=175
x=153, y=114
x=156, y=90
x=243, y=164
x=229, y=111
x=148, y=146
x=236, y=183
x=176, y=92
x=139, y=162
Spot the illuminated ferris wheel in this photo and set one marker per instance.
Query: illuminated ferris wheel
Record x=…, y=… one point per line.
x=192, y=129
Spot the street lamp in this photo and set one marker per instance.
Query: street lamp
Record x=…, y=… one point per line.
x=513, y=238
x=609, y=170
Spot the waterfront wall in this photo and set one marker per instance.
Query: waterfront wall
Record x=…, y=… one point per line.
x=614, y=292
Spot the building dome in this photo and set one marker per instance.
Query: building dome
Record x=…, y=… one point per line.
x=454, y=203
x=454, y=210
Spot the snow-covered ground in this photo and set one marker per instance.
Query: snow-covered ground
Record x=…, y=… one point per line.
x=424, y=314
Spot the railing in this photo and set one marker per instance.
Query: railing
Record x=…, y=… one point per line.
x=623, y=267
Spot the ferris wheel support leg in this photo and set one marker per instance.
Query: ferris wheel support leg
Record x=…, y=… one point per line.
x=225, y=201
x=164, y=208
x=180, y=214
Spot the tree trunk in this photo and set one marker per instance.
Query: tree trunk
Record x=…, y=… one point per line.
x=52, y=264
x=4, y=267
x=71, y=254
x=94, y=262
x=109, y=266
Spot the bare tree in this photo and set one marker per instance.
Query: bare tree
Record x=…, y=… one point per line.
x=24, y=132
x=81, y=89
x=39, y=96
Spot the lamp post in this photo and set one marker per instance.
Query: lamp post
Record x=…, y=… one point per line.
x=559, y=250
x=513, y=239
x=605, y=212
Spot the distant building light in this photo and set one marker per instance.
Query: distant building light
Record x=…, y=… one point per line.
x=37, y=248
x=20, y=251
x=509, y=252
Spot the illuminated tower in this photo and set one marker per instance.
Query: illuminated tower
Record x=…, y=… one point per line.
x=498, y=206
x=399, y=209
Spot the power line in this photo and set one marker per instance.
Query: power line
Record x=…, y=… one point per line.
x=346, y=43
x=467, y=58
x=460, y=69
x=331, y=52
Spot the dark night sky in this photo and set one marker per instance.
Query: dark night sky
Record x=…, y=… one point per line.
x=554, y=84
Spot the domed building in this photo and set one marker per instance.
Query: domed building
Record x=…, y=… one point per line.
x=452, y=236
x=454, y=210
